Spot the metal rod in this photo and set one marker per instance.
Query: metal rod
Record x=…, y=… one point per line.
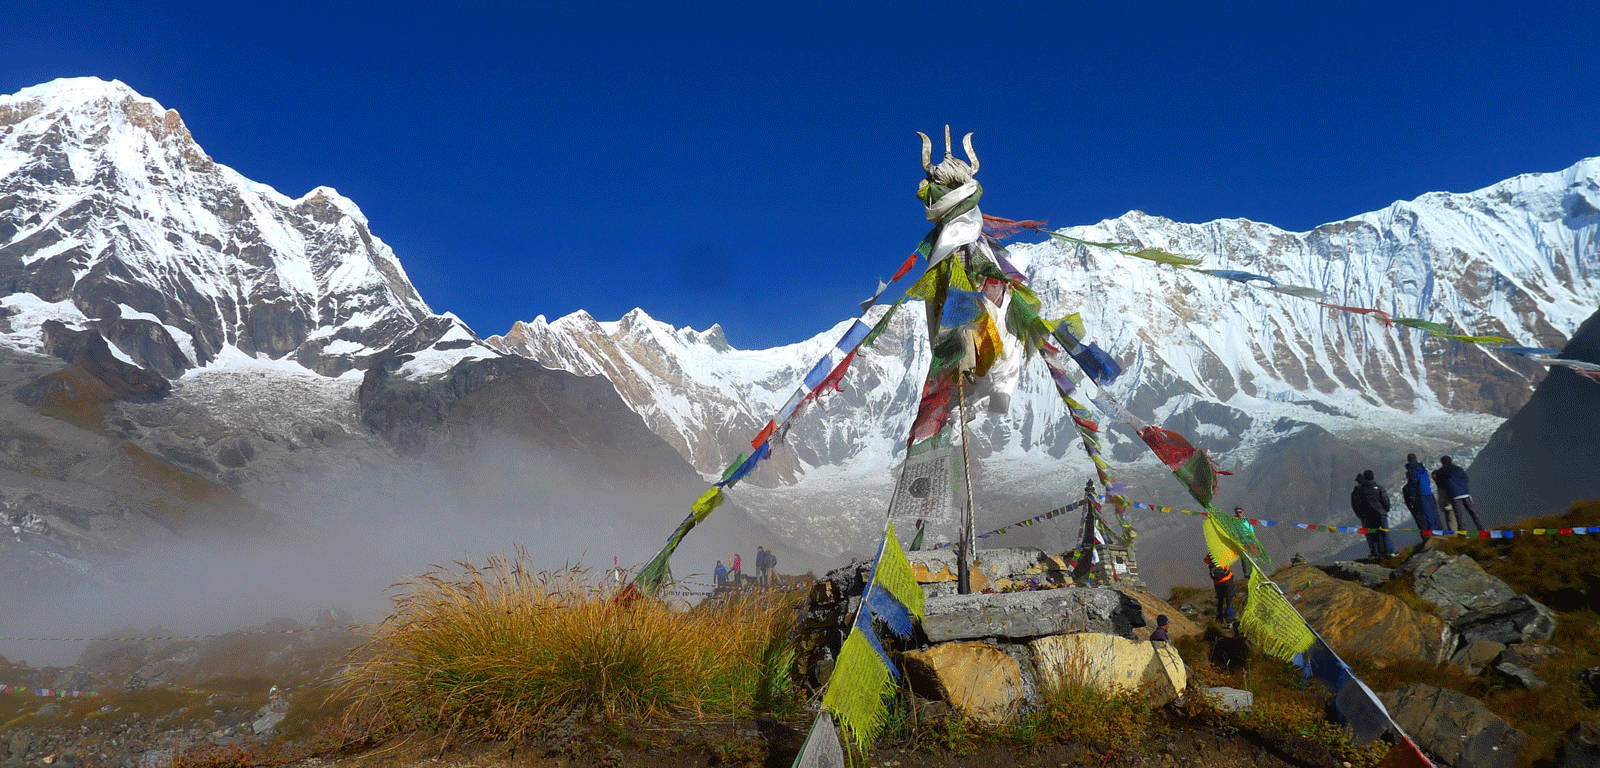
x=968, y=539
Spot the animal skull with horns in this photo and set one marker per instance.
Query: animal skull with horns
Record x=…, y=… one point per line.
x=951, y=172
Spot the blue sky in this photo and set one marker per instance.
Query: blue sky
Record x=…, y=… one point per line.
x=754, y=165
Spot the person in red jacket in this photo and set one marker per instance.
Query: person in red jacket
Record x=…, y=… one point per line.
x=738, y=572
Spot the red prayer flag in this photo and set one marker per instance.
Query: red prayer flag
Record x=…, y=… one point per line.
x=911, y=261
x=836, y=376
x=766, y=432
x=1404, y=754
x=1382, y=315
x=1566, y=531
x=1172, y=448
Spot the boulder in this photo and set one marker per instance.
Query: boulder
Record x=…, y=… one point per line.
x=1357, y=620
x=1368, y=575
x=1110, y=663
x=1530, y=654
x=1456, y=585
x=1589, y=682
x=1475, y=657
x=1021, y=615
x=977, y=679
x=1178, y=625
x=1454, y=727
x=1580, y=747
x=1230, y=699
x=1517, y=620
x=1518, y=675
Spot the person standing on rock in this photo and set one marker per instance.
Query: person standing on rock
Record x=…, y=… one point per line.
x=1371, y=504
x=1222, y=582
x=1453, y=488
x=1418, y=496
x=738, y=572
x=720, y=575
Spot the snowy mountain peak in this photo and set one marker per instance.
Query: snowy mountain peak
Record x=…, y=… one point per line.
x=110, y=204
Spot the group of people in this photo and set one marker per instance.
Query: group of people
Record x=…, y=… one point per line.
x=1370, y=502
x=725, y=576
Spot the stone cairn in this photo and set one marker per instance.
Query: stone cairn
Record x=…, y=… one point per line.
x=989, y=654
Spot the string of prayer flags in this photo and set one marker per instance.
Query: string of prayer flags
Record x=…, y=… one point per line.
x=744, y=467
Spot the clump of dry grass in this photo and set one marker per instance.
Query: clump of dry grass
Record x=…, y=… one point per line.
x=506, y=651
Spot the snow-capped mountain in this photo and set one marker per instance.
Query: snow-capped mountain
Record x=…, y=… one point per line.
x=1237, y=368
x=111, y=214
x=187, y=353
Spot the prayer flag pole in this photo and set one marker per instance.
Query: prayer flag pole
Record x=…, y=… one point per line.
x=968, y=539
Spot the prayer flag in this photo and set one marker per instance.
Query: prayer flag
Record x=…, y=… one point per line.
x=853, y=337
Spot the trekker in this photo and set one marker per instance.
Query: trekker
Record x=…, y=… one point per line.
x=738, y=572
x=1159, y=634
x=1371, y=504
x=1222, y=582
x=761, y=566
x=1418, y=496
x=1453, y=489
x=1244, y=562
x=720, y=575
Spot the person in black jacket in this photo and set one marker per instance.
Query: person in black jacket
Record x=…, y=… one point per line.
x=1371, y=504
x=1418, y=496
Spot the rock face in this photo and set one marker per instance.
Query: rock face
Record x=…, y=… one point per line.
x=1230, y=699
x=1022, y=615
x=1525, y=469
x=1352, y=617
x=1477, y=656
x=979, y=680
x=1110, y=663
x=1454, y=727
x=1517, y=620
x=1179, y=626
x=1369, y=575
x=1580, y=747
x=1456, y=585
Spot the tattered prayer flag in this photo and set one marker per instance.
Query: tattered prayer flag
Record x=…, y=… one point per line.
x=1299, y=291
x=1488, y=341
x=896, y=597
x=745, y=466
x=934, y=409
x=1171, y=448
x=910, y=262
x=819, y=372
x=795, y=399
x=1200, y=477
x=1000, y=228
x=1272, y=622
x=1237, y=276
x=853, y=336
x=1163, y=257
x=733, y=466
x=836, y=376
x=1404, y=754
x=960, y=308
x=707, y=503
x=1531, y=350
x=883, y=323
x=861, y=678
x=1428, y=326
x=1381, y=315
x=764, y=435
x=821, y=748
x=1076, y=241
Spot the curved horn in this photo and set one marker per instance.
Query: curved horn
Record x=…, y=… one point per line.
x=927, y=152
x=972, y=157
x=947, y=152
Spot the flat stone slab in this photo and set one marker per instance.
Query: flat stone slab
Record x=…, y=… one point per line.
x=1020, y=615
x=1230, y=699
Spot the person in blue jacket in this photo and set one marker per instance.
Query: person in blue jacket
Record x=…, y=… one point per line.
x=1418, y=496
